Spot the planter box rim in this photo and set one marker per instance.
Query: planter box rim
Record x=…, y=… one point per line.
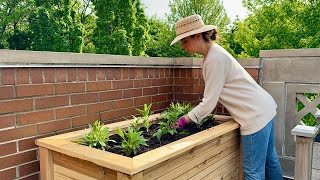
x=62, y=144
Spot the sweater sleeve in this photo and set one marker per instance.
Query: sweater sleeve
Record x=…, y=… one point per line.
x=215, y=75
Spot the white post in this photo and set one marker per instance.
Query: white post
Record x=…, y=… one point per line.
x=304, y=148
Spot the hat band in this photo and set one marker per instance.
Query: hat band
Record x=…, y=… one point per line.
x=189, y=30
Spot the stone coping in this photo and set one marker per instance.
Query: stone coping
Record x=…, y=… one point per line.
x=310, y=52
x=24, y=58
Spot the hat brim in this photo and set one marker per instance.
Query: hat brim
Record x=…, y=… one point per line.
x=195, y=31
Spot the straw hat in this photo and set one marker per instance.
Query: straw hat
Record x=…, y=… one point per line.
x=189, y=26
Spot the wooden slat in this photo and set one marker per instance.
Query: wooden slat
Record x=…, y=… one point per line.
x=203, y=169
x=46, y=164
x=121, y=176
x=161, y=154
x=67, y=174
x=84, y=167
x=193, y=167
x=224, y=170
x=211, y=148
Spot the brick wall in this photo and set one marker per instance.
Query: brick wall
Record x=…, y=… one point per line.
x=36, y=102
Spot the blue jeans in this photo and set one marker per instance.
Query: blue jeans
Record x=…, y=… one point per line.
x=259, y=156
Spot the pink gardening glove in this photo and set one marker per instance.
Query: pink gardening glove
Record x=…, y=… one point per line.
x=182, y=122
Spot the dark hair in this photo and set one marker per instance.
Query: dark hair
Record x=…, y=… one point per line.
x=209, y=36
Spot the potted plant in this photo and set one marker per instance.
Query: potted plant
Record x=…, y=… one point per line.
x=211, y=153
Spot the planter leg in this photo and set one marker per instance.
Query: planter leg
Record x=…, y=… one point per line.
x=46, y=164
x=122, y=176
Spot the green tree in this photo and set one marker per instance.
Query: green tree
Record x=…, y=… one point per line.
x=279, y=24
x=13, y=23
x=56, y=26
x=161, y=36
x=211, y=11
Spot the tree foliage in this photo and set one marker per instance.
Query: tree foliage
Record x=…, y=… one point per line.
x=55, y=26
x=211, y=11
x=279, y=24
x=123, y=19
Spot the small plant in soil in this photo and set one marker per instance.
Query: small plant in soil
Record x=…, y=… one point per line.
x=139, y=139
x=132, y=140
x=98, y=137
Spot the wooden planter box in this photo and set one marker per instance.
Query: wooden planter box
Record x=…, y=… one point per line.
x=210, y=154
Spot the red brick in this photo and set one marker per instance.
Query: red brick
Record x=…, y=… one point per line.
x=169, y=81
x=109, y=73
x=8, y=174
x=35, y=117
x=54, y=126
x=92, y=74
x=27, y=144
x=195, y=73
x=159, y=98
x=8, y=148
x=61, y=75
x=158, y=82
x=70, y=111
x=165, y=89
x=99, y=107
x=152, y=73
x=183, y=72
x=84, y=98
x=29, y=168
x=139, y=73
x=23, y=75
x=82, y=74
x=129, y=112
x=117, y=73
x=7, y=76
x=36, y=75
x=6, y=92
x=189, y=72
x=7, y=121
x=132, y=93
x=122, y=104
x=101, y=74
x=54, y=101
x=170, y=97
x=17, y=159
x=125, y=73
x=85, y=120
x=32, y=177
x=48, y=75
x=98, y=86
x=184, y=81
x=34, y=90
x=162, y=73
x=177, y=73
x=142, y=100
x=110, y=95
x=150, y=91
x=145, y=73
x=122, y=84
x=15, y=106
x=254, y=72
x=111, y=115
x=164, y=105
x=142, y=83
x=18, y=133
x=132, y=73
x=72, y=74
x=167, y=73
x=67, y=88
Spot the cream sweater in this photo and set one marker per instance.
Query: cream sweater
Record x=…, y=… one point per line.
x=229, y=83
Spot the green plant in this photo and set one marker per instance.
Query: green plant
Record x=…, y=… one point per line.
x=132, y=140
x=136, y=123
x=98, y=137
x=200, y=123
x=165, y=128
x=175, y=111
x=145, y=113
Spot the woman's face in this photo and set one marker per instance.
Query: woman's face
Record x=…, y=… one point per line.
x=190, y=44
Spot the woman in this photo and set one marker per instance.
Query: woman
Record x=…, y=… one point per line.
x=229, y=83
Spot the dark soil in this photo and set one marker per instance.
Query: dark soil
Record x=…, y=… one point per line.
x=317, y=138
x=153, y=142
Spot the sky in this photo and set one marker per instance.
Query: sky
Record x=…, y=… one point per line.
x=160, y=7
